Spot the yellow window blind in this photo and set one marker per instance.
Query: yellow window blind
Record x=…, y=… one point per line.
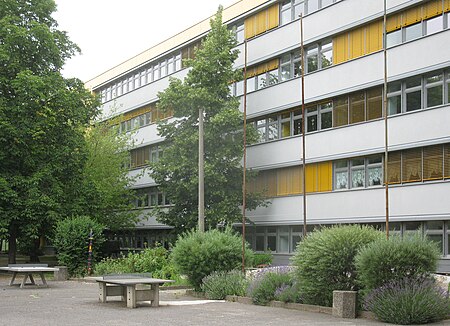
x=289, y=181
x=325, y=176
x=340, y=114
x=356, y=43
x=374, y=103
x=357, y=112
x=447, y=161
x=432, y=162
x=393, y=22
x=446, y=5
x=412, y=165
x=431, y=9
x=412, y=16
x=135, y=113
x=340, y=48
x=394, y=167
x=262, y=21
x=374, y=37
x=311, y=177
x=271, y=183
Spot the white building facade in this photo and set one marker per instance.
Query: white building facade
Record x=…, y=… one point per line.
x=345, y=127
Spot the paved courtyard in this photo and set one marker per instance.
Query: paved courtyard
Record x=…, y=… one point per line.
x=76, y=303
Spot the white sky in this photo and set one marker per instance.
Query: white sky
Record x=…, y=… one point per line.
x=112, y=31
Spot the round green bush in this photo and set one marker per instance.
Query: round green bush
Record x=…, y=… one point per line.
x=268, y=283
x=220, y=284
x=412, y=300
x=395, y=258
x=198, y=254
x=325, y=261
x=71, y=241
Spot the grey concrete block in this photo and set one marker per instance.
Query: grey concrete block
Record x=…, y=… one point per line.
x=344, y=304
x=62, y=274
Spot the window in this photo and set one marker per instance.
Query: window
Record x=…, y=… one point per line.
x=285, y=67
x=163, y=69
x=341, y=175
x=412, y=32
x=412, y=165
x=434, y=87
x=434, y=232
x=434, y=25
x=362, y=172
x=297, y=121
x=311, y=119
x=156, y=72
x=272, y=130
x=340, y=111
x=413, y=93
x=357, y=173
x=357, y=107
x=394, y=38
x=374, y=171
x=432, y=162
x=394, y=98
x=312, y=58
x=290, y=10
x=326, y=115
x=149, y=74
x=374, y=103
x=261, y=129
x=285, y=124
x=262, y=21
x=170, y=66
x=178, y=62
x=239, y=33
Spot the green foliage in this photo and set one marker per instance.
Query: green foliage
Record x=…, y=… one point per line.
x=42, y=122
x=261, y=259
x=385, y=260
x=153, y=260
x=198, y=254
x=325, y=261
x=218, y=285
x=71, y=241
x=268, y=284
x=107, y=195
x=205, y=86
x=412, y=300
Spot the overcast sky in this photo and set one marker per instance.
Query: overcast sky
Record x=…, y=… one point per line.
x=112, y=31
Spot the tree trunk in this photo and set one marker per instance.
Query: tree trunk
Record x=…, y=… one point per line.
x=34, y=252
x=12, y=248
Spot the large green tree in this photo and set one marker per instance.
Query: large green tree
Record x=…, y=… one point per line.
x=205, y=86
x=43, y=118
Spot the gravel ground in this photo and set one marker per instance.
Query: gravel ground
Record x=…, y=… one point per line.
x=76, y=303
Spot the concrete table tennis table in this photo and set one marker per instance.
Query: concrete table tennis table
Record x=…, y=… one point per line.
x=28, y=270
x=132, y=288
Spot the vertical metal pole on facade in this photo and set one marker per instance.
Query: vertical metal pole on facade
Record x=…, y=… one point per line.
x=244, y=168
x=302, y=61
x=386, y=181
x=201, y=174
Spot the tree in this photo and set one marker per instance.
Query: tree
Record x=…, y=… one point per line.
x=205, y=86
x=42, y=121
x=107, y=196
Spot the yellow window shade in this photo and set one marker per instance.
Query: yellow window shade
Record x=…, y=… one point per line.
x=311, y=178
x=288, y=180
x=340, y=48
x=357, y=112
x=340, y=114
x=432, y=9
x=249, y=27
x=394, y=168
x=135, y=113
x=261, y=22
x=273, y=17
x=374, y=37
x=394, y=22
x=325, y=176
x=272, y=64
x=356, y=43
x=262, y=68
x=412, y=165
x=271, y=183
x=432, y=162
x=447, y=161
x=446, y=5
x=282, y=182
x=412, y=16
x=374, y=103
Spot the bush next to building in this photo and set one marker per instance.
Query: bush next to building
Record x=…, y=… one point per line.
x=325, y=261
x=218, y=285
x=411, y=300
x=198, y=254
x=271, y=283
x=71, y=241
x=395, y=258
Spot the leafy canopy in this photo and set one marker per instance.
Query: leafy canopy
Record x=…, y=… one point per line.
x=205, y=86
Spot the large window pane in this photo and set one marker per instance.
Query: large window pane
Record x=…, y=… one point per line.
x=412, y=32
x=286, y=124
x=374, y=103
x=434, y=25
x=357, y=107
x=311, y=119
x=313, y=5
x=311, y=57
x=413, y=101
x=394, y=38
x=434, y=96
x=394, y=104
x=326, y=116
x=375, y=175
x=250, y=84
x=273, y=77
x=412, y=165
x=327, y=58
x=340, y=111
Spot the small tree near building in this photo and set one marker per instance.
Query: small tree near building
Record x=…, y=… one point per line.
x=205, y=86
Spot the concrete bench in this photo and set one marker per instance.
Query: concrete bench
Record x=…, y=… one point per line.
x=132, y=288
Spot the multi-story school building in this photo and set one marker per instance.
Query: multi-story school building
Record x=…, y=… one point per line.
x=344, y=119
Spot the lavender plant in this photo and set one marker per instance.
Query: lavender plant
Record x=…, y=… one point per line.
x=411, y=300
x=267, y=281
x=219, y=284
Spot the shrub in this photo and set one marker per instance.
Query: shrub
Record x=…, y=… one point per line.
x=288, y=293
x=71, y=241
x=325, y=261
x=198, y=254
x=154, y=260
x=412, y=300
x=267, y=282
x=217, y=285
x=395, y=258
x=261, y=259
